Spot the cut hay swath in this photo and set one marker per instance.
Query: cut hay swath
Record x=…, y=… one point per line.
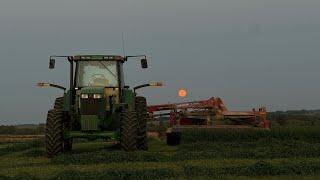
x=12, y=138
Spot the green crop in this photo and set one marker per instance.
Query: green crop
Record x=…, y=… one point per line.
x=280, y=153
x=235, y=135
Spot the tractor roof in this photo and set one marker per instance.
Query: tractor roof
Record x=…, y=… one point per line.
x=98, y=57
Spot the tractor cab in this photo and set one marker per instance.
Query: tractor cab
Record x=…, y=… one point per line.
x=97, y=74
x=96, y=77
x=99, y=89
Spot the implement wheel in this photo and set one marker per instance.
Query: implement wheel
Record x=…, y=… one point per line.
x=142, y=115
x=54, y=133
x=128, y=130
x=173, y=138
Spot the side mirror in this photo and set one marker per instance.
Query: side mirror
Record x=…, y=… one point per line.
x=52, y=63
x=144, y=63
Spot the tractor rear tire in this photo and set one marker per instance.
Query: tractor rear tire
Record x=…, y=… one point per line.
x=142, y=115
x=54, y=133
x=58, y=105
x=128, y=131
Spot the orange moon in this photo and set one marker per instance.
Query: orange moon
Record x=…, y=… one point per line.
x=182, y=93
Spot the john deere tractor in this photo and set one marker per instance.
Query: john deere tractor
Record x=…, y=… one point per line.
x=97, y=105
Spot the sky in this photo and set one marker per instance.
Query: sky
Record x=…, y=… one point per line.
x=251, y=53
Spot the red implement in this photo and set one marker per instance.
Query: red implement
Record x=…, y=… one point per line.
x=208, y=112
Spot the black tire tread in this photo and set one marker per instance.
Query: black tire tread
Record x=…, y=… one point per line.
x=54, y=133
x=58, y=105
x=142, y=115
x=128, y=130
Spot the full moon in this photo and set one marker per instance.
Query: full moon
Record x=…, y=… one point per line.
x=182, y=93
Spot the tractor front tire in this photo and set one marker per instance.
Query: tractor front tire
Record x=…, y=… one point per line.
x=58, y=105
x=128, y=131
x=54, y=133
x=142, y=115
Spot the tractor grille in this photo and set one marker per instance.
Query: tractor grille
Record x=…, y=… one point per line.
x=90, y=106
x=89, y=123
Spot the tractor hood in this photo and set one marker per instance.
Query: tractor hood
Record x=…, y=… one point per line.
x=91, y=108
x=92, y=90
x=95, y=103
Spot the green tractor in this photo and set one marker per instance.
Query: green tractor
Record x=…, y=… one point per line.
x=97, y=105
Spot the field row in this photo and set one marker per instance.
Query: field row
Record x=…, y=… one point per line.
x=12, y=138
x=153, y=170
x=220, y=154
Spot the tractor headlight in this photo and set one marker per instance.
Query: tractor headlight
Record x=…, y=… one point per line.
x=84, y=96
x=97, y=96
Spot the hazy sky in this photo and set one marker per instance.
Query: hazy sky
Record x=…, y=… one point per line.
x=248, y=52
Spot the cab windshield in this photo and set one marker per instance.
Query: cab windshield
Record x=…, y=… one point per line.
x=97, y=73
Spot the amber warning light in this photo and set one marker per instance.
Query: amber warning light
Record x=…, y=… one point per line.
x=182, y=93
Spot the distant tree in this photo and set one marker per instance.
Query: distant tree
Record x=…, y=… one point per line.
x=7, y=129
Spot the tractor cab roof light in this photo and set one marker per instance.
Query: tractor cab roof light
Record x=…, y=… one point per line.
x=85, y=57
x=88, y=57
